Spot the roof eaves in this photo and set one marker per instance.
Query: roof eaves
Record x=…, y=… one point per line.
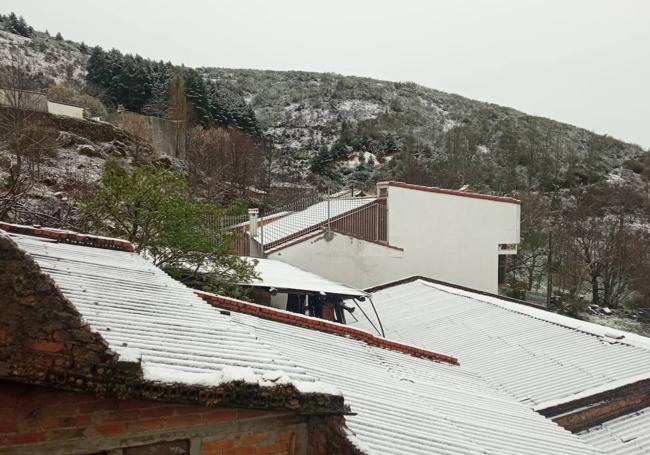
x=432, y=189
x=71, y=237
x=321, y=325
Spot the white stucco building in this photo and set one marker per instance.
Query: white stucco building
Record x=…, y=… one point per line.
x=67, y=110
x=407, y=230
x=35, y=101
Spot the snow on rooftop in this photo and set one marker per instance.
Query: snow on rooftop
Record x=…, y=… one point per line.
x=309, y=219
x=137, y=307
x=627, y=435
x=403, y=404
x=282, y=276
x=538, y=357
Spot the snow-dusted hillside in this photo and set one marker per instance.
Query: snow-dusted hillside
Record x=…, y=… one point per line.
x=50, y=60
x=307, y=113
x=350, y=130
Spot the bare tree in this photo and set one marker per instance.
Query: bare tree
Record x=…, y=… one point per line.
x=599, y=240
x=19, y=131
x=224, y=160
x=179, y=108
x=139, y=126
x=529, y=265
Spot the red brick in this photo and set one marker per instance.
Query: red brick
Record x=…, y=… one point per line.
x=28, y=438
x=48, y=346
x=146, y=425
x=111, y=429
x=157, y=412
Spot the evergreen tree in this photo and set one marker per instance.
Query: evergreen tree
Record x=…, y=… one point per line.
x=19, y=26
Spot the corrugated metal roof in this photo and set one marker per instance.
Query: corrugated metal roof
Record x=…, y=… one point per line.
x=280, y=275
x=536, y=356
x=299, y=223
x=627, y=435
x=403, y=404
x=407, y=405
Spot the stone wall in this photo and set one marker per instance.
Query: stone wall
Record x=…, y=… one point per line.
x=166, y=136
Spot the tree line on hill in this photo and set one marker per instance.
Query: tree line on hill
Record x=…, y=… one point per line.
x=146, y=86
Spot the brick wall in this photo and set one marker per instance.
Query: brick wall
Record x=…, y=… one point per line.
x=321, y=325
x=593, y=410
x=37, y=420
x=588, y=418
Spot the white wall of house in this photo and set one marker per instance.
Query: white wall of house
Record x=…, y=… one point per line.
x=344, y=259
x=65, y=109
x=446, y=237
x=449, y=237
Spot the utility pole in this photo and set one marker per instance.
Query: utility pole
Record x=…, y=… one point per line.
x=549, y=271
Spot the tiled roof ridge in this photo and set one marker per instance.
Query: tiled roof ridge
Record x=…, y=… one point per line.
x=321, y=325
x=433, y=189
x=71, y=237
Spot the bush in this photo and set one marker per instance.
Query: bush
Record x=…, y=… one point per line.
x=152, y=208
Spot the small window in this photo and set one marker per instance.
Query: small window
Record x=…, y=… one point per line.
x=503, y=269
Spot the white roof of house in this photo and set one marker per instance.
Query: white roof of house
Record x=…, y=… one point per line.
x=627, y=435
x=541, y=358
x=403, y=404
x=282, y=276
x=308, y=220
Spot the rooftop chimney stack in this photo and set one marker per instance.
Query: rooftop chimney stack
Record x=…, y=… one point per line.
x=253, y=249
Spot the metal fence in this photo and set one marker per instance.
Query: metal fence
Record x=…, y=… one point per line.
x=361, y=217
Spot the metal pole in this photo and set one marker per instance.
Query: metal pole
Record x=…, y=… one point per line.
x=329, y=226
x=549, y=266
x=262, y=233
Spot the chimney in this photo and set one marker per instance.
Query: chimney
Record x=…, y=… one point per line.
x=252, y=229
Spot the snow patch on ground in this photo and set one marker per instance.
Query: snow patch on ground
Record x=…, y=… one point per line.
x=361, y=109
x=449, y=124
x=357, y=158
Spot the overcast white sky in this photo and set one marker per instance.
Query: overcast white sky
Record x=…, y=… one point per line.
x=585, y=62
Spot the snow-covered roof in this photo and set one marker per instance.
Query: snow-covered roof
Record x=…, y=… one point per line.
x=627, y=435
x=299, y=223
x=282, y=276
x=541, y=358
x=403, y=404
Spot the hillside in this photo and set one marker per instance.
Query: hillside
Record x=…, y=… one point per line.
x=334, y=123
x=331, y=129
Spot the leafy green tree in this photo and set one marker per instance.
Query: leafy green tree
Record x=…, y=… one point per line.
x=152, y=208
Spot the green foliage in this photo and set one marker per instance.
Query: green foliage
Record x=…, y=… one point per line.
x=152, y=208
